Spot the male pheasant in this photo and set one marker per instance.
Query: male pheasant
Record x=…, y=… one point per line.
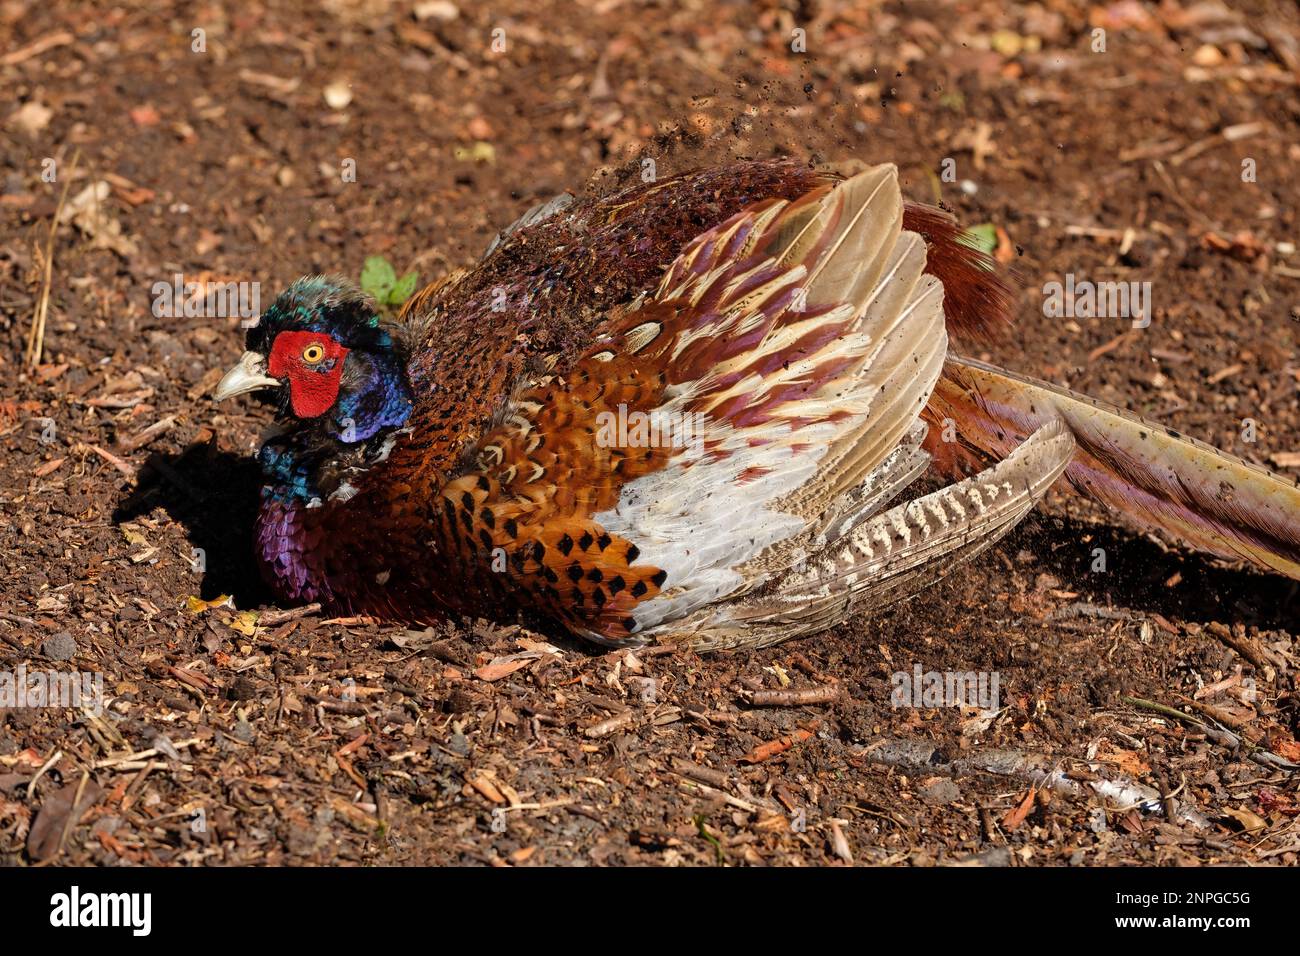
x=683, y=412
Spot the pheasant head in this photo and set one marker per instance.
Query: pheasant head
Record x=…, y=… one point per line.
x=339, y=375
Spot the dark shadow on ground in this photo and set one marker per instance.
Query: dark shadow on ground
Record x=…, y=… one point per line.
x=1138, y=569
x=214, y=495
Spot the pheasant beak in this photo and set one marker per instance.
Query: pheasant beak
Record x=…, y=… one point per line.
x=247, y=376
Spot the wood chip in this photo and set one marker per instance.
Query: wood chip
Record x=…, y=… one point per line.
x=487, y=789
x=824, y=694
x=608, y=726
x=1223, y=373
x=125, y=467
x=779, y=746
x=140, y=439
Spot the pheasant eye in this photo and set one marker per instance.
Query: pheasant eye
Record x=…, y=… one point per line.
x=313, y=353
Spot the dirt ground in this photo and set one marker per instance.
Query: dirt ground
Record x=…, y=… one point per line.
x=231, y=738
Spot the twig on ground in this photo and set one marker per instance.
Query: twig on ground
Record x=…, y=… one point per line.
x=73, y=814
x=36, y=335
x=1176, y=194
x=1218, y=734
x=142, y=438
x=141, y=755
x=1214, y=713
x=825, y=694
x=31, y=784
x=125, y=467
x=36, y=48
x=1242, y=645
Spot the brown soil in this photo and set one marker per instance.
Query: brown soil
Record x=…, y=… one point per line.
x=344, y=742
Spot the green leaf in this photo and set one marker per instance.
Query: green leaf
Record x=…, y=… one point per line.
x=983, y=237
x=404, y=288
x=377, y=277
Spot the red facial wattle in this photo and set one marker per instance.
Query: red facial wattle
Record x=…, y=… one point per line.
x=313, y=364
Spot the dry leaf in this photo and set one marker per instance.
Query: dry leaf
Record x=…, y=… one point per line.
x=1248, y=819
x=196, y=605
x=504, y=666
x=1127, y=760
x=88, y=212
x=58, y=815
x=245, y=622
x=1016, y=816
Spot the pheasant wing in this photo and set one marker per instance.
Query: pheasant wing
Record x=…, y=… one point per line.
x=787, y=353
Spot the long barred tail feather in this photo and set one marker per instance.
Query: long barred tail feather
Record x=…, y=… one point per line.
x=1154, y=477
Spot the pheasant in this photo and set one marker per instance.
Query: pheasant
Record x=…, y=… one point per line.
x=692, y=411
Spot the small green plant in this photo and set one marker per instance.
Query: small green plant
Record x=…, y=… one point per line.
x=704, y=832
x=379, y=279
x=983, y=237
